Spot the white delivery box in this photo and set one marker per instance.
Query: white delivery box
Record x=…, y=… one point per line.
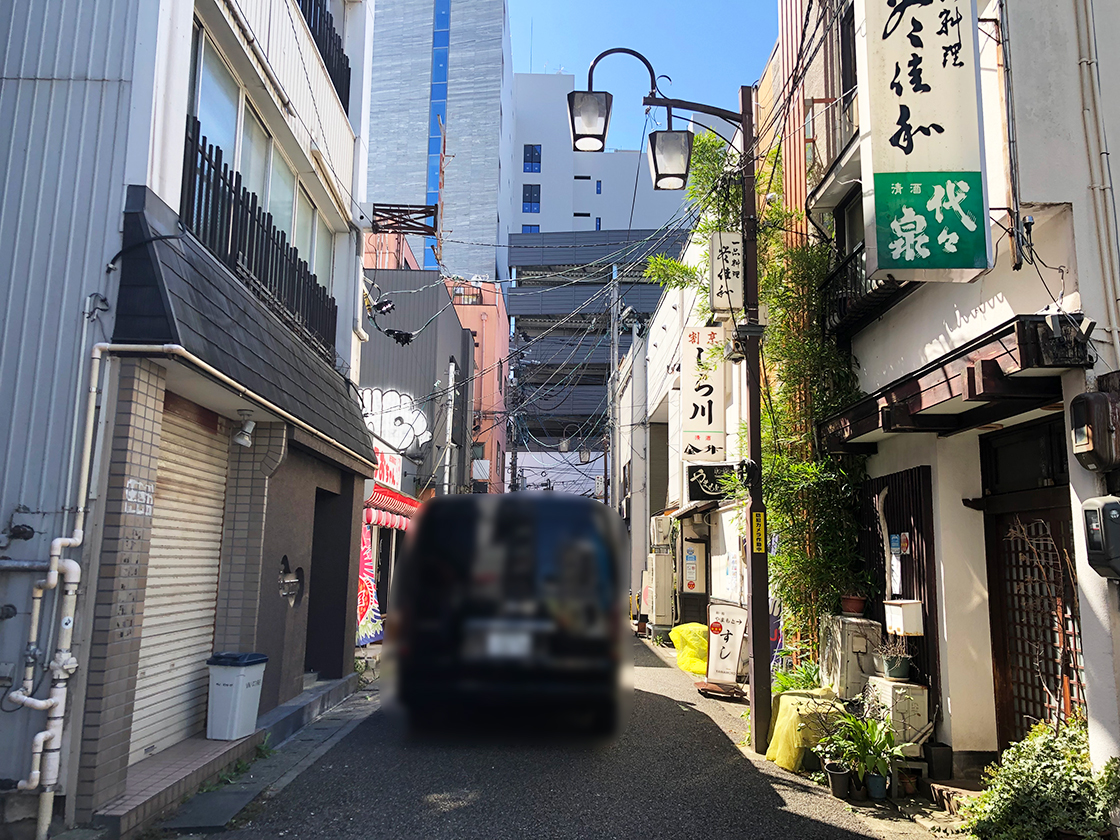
x=235, y=694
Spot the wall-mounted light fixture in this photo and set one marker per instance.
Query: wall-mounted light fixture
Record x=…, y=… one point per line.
x=244, y=435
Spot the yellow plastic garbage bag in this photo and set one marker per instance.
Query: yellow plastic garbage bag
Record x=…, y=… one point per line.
x=691, y=642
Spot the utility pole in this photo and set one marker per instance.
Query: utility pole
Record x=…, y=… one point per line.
x=758, y=577
x=639, y=514
x=513, y=459
x=610, y=491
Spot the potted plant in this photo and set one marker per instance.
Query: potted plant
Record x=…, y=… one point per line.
x=858, y=586
x=836, y=754
x=896, y=657
x=875, y=749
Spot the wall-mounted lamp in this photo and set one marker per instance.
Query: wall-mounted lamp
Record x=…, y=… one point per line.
x=244, y=435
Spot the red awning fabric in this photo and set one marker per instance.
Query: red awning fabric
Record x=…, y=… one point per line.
x=390, y=508
x=384, y=519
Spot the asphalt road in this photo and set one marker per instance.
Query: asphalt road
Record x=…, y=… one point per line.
x=675, y=771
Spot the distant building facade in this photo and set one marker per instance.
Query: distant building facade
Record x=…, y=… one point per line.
x=441, y=99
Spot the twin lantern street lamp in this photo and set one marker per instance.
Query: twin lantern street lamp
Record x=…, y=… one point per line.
x=589, y=115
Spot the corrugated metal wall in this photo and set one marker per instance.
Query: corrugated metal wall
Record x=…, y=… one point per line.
x=64, y=104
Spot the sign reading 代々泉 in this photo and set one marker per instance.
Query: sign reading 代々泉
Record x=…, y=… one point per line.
x=922, y=144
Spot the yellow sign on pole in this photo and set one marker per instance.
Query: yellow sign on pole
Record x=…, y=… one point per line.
x=758, y=532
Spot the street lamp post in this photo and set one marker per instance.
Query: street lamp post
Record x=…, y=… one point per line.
x=670, y=152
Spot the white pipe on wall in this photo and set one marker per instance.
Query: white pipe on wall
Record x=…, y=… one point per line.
x=47, y=745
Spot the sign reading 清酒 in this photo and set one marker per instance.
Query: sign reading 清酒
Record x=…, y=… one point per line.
x=920, y=107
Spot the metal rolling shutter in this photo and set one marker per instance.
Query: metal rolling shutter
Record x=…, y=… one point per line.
x=181, y=594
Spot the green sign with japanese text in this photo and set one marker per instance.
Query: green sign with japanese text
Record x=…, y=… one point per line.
x=930, y=220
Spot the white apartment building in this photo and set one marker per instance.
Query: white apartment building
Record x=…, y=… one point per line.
x=558, y=189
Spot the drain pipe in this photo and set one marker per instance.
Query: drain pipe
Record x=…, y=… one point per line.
x=47, y=745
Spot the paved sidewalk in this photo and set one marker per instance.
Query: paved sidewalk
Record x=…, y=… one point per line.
x=232, y=804
x=883, y=819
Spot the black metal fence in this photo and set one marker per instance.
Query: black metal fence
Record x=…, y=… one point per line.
x=321, y=23
x=851, y=299
x=226, y=218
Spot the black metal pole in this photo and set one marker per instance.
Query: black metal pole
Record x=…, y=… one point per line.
x=758, y=576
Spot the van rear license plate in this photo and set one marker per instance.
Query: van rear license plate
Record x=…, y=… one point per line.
x=509, y=644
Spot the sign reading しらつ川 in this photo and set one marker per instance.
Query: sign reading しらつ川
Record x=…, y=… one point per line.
x=922, y=146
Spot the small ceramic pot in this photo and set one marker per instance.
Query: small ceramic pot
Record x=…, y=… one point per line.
x=852, y=605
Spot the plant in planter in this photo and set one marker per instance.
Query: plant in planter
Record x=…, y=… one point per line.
x=1045, y=787
x=837, y=755
x=875, y=749
x=896, y=657
x=868, y=746
x=858, y=586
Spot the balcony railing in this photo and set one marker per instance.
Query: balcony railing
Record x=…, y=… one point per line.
x=850, y=299
x=834, y=123
x=468, y=295
x=321, y=23
x=226, y=218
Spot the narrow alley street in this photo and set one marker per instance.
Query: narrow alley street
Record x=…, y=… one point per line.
x=675, y=772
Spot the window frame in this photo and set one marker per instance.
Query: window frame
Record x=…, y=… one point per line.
x=199, y=38
x=532, y=157
x=528, y=193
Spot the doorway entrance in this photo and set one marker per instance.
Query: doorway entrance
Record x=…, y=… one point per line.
x=1032, y=583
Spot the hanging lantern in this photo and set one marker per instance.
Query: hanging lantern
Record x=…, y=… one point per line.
x=670, y=153
x=589, y=115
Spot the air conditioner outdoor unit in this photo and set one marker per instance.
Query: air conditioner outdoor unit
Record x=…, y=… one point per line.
x=660, y=530
x=848, y=653
x=907, y=708
x=657, y=590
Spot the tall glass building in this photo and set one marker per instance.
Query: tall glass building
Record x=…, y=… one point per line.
x=441, y=124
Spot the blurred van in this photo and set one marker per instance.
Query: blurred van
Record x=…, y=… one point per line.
x=508, y=601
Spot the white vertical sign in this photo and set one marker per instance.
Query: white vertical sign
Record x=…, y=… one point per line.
x=922, y=142
x=725, y=273
x=703, y=395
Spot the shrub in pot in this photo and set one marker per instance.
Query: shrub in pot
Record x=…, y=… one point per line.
x=837, y=756
x=896, y=657
x=1045, y=785
x=869, y=747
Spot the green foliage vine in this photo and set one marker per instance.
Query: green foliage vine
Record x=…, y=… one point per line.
x=811, y=496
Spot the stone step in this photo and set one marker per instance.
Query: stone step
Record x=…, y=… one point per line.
x=950, y=795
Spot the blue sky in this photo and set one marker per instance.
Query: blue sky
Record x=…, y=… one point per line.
x=708, y=47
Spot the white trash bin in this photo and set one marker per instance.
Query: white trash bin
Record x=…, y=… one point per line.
x=235, y=694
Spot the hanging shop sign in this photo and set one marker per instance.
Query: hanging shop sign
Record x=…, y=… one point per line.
x=703, y=395
x=725, y=273
x=920, y=105
x=388, y=467
x=705, y=481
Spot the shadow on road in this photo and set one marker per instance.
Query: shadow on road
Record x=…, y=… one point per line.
x=671, y=773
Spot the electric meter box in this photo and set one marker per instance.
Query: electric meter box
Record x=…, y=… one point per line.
x=1093, y=420
x=1102, y=533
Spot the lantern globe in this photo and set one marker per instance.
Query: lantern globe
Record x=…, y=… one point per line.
x=670, y=153
x=589, y=116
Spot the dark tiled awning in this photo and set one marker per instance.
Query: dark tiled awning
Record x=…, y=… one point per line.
x=1010, y=370
x=173, y=291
